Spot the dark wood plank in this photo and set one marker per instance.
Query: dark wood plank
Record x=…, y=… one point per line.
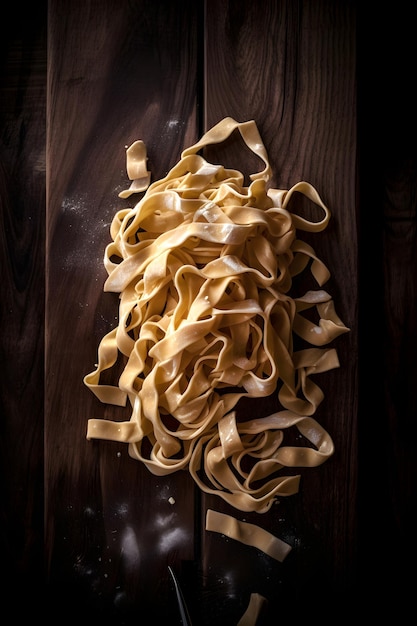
x=387, y=184
x=111, y=83
x=22, y=240
x=292, y=68
x=118, y=72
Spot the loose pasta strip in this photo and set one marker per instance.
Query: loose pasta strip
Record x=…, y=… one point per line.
x=204, y=267
x=254, y=608
x=249, y=534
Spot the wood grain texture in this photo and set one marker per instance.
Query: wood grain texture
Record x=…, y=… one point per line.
x=291, y=67
x=330, y=87
x=387, y=187
x=117, y=74
x=22, y=239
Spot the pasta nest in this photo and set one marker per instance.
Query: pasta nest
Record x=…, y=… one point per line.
x=204, y=265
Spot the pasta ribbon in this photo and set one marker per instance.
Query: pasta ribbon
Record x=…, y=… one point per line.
x=249, y=534
x=204, y=267
x=253, y=610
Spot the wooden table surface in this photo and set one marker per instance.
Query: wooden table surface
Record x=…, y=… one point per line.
x=84, y=526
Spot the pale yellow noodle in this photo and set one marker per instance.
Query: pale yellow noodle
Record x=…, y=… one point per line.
x=249, y=534
x=256, y=602
x=204, y=266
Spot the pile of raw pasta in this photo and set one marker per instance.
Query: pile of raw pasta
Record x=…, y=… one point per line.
x=204, y=266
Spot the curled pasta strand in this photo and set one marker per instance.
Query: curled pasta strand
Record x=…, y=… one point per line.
x=204, y=267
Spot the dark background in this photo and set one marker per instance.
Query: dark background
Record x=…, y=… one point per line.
x=331, y=87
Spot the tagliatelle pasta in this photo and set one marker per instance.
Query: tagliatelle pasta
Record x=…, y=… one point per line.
x=204, y=266
x=250, y=616
x=249, y=534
